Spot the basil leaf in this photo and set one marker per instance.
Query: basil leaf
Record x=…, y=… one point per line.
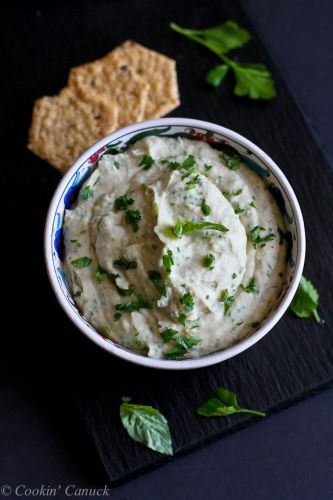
x=225, y=404
x=146, y=425
x=81, y=262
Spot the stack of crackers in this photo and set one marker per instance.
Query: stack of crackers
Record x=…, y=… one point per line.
x=130, y=84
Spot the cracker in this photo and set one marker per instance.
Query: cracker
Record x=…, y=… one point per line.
x=116, y=82
x=157, y=70
x=64, y=126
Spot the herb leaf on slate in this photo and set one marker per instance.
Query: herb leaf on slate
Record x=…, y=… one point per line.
x=223, y=405
x=146, y=425
x=306, y=300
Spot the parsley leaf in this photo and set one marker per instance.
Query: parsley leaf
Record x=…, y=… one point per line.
x=223, y=405
x=86, y=193
x=123, y=202
x=141, y=303
x=238, y=192
x=125, y=264
x=227, y=299
x=159, y=283
x=208, y=261
x=251, y=286
x=252, y=80
x=216, y=75
x=188, y=163
x=206, y=210
x=81, y=262
x=147, y=162
x=182, y=318
x=168, y=261
x=124, y=292
x=220, y=39
x=306, y=299
x=181, y=228
x=146, y=425
x=133, y=217
x=257, y=239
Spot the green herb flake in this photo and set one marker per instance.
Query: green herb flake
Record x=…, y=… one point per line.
x=226, y=194
x=137, y=343
x=182, y=319
x=253, y=204
x=193, y=183
x=238, y=192
x=123, y=202
x=86, y=193
x=227, y=300
x=116, y=164
x=147, y=426
x=77, y=294
x=208, y=261
x=81, y=262
x=182, y=228
x=141, y=303
x=187, y=301
x=206, y=210
x=223, y=405
x=147, y=162
x=173, y=165
x=231, y=159
x=117, y=316
x=183, y=344
x=250, y=287
x=125, y=264
x=159, y=283
x=305, y=302
x=238, y=210
x=106, y=331
x=208, y=167
x=234, y=275
x=83, y=231
x=257, y=239
x=168, y=261
x=188, y=163
x=133, y=217
x=168, y=334
x=255, y=324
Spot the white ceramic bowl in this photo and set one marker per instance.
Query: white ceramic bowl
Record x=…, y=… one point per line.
x=216, y=135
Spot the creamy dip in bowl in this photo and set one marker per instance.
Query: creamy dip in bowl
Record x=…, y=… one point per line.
x=175, y=243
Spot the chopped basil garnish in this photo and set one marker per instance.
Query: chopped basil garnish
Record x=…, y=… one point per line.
x=123, y=202
x=239, y=210
x=193, y=183
x=181, y=228
x=257, y=239
x=141, y=303
x=168, y=261
x=251, y=286
x=86, y=193
x=147, y=162
x=125, y=264
x=206, y=210
x=168, y=334
x=82, y=262
x=227, y=300
x=133, y=217
x=159, y=283
x=208, y=261
x=231, y=159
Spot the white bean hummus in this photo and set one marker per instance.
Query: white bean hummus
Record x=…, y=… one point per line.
x=173, y=250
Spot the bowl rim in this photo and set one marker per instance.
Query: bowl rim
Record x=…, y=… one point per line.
x=215, y=357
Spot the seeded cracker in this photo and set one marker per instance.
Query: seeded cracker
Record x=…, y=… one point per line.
x=157, y=70
x=117, y=82
x=64, y=126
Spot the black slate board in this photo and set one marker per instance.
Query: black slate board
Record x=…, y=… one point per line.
x=295, y=359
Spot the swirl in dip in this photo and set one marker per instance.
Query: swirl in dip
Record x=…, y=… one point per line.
x=173, y=249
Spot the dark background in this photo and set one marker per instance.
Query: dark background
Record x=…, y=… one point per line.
x=286, y=456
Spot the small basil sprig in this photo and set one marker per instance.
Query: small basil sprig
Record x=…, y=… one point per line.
x=223, y=405
x=146, y=425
